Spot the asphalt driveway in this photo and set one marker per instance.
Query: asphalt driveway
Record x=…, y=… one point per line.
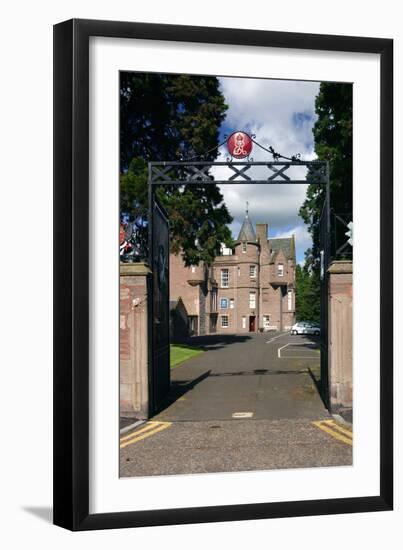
x=249, y=403
x=244, y=374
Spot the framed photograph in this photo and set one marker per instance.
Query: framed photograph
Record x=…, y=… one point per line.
x=223, y=260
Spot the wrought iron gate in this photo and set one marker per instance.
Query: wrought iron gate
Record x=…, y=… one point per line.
x=159, y=379
x=334, y=229
x=324, y=239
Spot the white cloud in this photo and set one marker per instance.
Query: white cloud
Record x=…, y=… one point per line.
x=276, y=205
x=269, y=109
x=281, y=114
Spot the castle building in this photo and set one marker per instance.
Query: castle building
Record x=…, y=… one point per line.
x=248, y=288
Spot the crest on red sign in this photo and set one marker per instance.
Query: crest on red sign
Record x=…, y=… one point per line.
x=239, y=145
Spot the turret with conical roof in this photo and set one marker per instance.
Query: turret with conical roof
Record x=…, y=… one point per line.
x=247, y=233
x=246, y=245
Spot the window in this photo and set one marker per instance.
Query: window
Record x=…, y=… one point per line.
x=224, y=303
x=252, y=300
x=243, y=247
x=244, y=322
x=193, y=269
x=239, y=271
x=266, y=321
x=193, y=324
x=252, y=271
x=280, y=270
x=224, y=321
x=290, y=299
x=231, y=303
x=225, y=278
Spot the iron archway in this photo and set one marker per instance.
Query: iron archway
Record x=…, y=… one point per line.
x=191, y=172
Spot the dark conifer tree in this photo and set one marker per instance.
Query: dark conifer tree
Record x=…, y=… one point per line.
x=173, y=117
x=333, y=135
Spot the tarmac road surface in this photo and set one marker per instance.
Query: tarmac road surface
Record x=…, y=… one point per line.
x=249, y=402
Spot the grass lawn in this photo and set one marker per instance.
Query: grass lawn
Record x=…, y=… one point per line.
x=181, y=353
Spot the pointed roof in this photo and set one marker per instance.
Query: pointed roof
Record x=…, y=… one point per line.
x=287, y=245
x=247, y=233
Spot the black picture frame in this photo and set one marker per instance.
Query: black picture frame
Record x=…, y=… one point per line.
x=71, y=274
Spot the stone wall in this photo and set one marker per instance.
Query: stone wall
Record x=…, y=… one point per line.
x=341, y=335
x=133, y=341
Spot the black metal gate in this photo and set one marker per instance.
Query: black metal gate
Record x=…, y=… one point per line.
x=159, y=382
x=334, y=230
x=324, y=240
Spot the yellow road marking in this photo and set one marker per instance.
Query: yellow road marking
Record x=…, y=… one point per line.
x=339, y=428
x=150, y=425
x=145, y=433
x=332, y=431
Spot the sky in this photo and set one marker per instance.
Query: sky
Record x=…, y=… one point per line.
x=281, y=113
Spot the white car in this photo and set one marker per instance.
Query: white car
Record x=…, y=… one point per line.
x=305, y=327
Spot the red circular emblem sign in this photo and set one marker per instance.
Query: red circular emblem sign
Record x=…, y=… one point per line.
x=239, y=145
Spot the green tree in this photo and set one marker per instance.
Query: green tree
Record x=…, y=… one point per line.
x=173, y=117
x=333, y=135
x=306, y=303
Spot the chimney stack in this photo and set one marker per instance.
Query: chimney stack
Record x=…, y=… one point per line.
x=262, y=231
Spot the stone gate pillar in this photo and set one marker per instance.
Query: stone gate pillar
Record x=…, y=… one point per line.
x=340, y=345
x=134, y=341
